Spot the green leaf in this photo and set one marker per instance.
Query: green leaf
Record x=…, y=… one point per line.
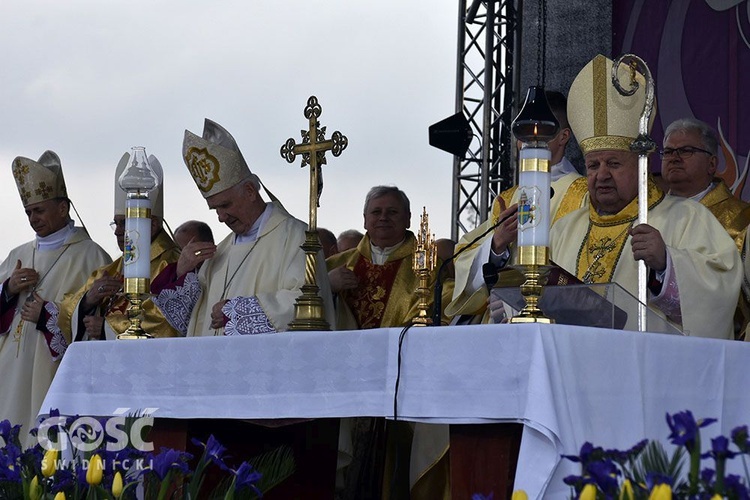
x=275, y=466
x=655, y=459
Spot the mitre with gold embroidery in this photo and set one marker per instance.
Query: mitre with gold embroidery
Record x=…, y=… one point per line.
x=41, y=180
x=601, y=118
x=214, y=160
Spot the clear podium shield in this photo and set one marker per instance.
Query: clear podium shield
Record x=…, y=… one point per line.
x=602, y=305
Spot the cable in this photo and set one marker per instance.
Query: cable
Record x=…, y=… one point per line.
x=398, y=370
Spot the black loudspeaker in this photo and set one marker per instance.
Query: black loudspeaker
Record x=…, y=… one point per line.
x=452, y=134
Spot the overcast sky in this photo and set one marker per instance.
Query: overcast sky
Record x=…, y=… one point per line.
x=90, y=79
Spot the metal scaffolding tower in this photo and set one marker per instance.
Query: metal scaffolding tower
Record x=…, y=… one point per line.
x=488, y=40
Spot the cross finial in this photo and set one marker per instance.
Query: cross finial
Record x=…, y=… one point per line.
x=313, y=148
x=308, y=310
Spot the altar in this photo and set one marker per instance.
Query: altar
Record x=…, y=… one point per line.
x=566, y=384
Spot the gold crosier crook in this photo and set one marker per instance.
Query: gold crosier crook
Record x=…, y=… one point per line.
x=309, y=313
x=643, y=145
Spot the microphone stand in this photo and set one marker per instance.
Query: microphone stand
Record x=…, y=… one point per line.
x=438, y=294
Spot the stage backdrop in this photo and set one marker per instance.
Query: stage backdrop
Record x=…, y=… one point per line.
x=699, y=54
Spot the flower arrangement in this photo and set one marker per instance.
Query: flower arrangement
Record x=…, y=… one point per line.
x=647, y=472
x=52, y=470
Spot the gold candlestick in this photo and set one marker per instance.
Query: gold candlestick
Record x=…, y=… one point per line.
x=425, y=259
x=309, y=313
x=136, y=290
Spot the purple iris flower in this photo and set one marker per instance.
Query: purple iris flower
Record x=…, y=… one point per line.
x=719, y=449
x=685, y=428
x=604, y=473
x=169, y=459
x=5, y=428
x=247, y=477
x=740, y=438
x=9, y=469
x=588, y=453
x=214, y=450
x=734, y=485
x=66, y=478
x=479, y=496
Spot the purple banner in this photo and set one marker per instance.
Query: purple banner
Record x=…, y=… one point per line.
x=699, y=54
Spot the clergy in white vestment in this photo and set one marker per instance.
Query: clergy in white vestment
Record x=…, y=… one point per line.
x=249, y=282
x=34, y=276
x=694, y=267
x=568, y=193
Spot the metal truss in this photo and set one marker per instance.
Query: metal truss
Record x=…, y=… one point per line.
x=488, y=35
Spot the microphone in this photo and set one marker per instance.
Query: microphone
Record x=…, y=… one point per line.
x=438, y=292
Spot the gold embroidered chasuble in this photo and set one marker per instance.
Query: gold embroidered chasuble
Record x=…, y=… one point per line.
x=26, y=365
x=732, y=213
x=705, y=261
x=605, y=239
x=164, y=251
x=570, y=193
x=386, y=296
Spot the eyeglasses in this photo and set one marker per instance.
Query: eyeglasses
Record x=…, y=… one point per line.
x=682, y=153
x=117, y=225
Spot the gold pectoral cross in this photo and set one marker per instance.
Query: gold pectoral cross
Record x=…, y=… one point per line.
x=603, y=247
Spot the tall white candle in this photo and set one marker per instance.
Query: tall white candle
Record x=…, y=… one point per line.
x=534, y=197
x=137, y=248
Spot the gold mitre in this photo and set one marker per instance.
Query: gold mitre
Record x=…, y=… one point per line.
x=156, y=195
x=214, y=160
x=41, y=180
x=601, y=117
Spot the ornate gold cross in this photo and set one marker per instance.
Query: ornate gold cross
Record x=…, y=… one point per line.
x=309, y=313
x=313, y=149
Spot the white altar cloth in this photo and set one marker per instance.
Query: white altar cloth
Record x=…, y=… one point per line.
x=567, y=384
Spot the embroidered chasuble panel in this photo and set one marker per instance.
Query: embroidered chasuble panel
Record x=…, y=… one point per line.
x=600, y=252
x=606, y=238
x=368, y=301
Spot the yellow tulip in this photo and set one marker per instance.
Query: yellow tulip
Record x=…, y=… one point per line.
x=519, y=495
x=117, y=485
x=717, y=497
x=60, y=496
x=95, y=471
x=588, y=493
x=661, y=492
x=49, y=462
x=626, y=492
x=34, y=489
